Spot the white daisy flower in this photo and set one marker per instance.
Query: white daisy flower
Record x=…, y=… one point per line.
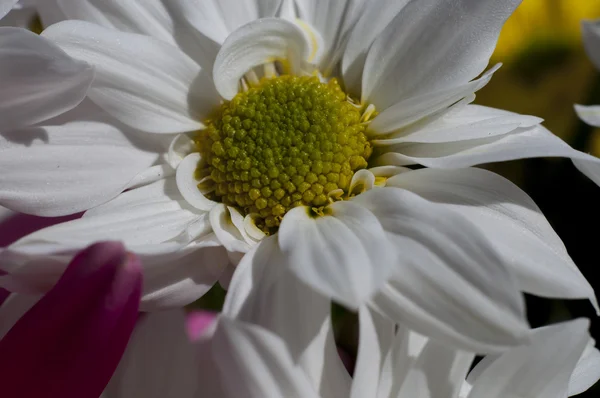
x=291, y=123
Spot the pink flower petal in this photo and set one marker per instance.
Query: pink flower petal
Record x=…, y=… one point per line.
x=69, y=344
x=197, y=322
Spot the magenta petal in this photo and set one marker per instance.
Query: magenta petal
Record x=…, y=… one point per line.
x=69, y=344
x=196, y=322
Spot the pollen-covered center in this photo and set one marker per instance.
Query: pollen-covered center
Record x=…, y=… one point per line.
x=288, y=142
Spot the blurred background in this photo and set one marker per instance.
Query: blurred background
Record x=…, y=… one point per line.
x=545, y=72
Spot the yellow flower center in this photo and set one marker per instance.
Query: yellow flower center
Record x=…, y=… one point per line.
x=290, y=141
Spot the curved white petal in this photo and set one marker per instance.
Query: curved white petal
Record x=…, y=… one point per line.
x=181, y=258
x=265, y=293
x=144, y=82
x=410, y=58
x=181, y=146
x=412, y=110
x=589, y=114
x=254, y=363
x=159, y=360
x=345, y=254
x=70, y=165
x=188, y=184
x=39, y=80
x=449, y=283
x=207, y=23
x=521, y=143
x=542, y=368
x=591, y=40
x=511, y=222
x=227, y=232
x=254, y=44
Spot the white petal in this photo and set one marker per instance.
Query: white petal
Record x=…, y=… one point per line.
x=587, y=371
x=217, y=18
x=150, y=175
x=148, y=17
x=461, y=122
x=68, y=167
x=591, y=168
x=591, y=40
x=449, y=283
x=39, y=80
x=368, y=27
x=6, y=6
x=148, y=215
x=168, y=21
x=159, y=360
x=466, y=122
x=375, y=340
x=265, y=293
x=255, y=363
x=511, y=222
x=540, y=369
x=345, y=255
x=143, y=82
x=227, y=232
x=438, y=371
x=589, y=114
x=254, y=44
x=180, y=278
x=181, y=259
x=188, y=184
x=331, y=20
x=413, y=110
x=181, y=146
x=427, y=60
x=522, y=143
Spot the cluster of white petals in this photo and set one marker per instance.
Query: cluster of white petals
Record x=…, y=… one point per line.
x=100, y=115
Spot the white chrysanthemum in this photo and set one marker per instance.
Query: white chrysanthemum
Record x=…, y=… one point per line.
x=435, y=247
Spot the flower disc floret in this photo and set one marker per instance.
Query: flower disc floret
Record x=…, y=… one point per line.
x=288, y=142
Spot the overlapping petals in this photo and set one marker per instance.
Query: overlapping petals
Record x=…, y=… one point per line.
x=39, y=80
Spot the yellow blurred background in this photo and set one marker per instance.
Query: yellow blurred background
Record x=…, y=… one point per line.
x=545, y=67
